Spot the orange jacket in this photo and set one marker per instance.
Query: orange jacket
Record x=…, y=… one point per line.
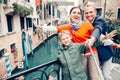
x=79, y=35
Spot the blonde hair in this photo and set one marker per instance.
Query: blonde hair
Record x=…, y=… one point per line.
x=63, y=32
x=90, y=4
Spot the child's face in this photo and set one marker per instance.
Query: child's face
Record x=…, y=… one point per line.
x=65, y=39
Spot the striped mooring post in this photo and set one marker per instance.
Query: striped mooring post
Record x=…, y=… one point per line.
x=7, y=60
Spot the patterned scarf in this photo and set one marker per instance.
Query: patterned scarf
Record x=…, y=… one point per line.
x=75, y=25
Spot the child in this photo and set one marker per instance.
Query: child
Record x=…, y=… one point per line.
x=70, y=57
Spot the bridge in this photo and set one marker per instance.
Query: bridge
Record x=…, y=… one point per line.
x=44, y=57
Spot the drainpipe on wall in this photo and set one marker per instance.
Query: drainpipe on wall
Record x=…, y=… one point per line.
x=104, y=8
x=51, y=12
x=42, y=9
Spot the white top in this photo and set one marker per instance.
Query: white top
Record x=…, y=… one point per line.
x=49, y=28
x=106, y=42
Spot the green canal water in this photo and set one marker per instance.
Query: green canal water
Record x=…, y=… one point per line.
x=45, y=52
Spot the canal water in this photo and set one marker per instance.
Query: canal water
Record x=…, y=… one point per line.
x=43, y=53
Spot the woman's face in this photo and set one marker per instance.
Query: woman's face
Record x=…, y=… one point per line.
x=75, y=15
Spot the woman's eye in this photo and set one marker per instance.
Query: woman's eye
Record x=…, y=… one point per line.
x=79, y=13
x=74, y=12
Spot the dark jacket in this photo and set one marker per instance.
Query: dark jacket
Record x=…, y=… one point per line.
x=104, y=53
x=70, y=58
x=100, y=26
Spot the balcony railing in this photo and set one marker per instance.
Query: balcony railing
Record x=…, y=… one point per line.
x=44, y=71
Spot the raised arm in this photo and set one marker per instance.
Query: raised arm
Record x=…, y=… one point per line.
x=108, y=35
x=36, y=25
x=45, y=28
x=106, y=39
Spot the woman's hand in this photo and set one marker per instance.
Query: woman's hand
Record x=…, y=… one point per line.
x=111, y=34
x=36, y=25
x=108, y=35
x=115, y=45
x=90, y=42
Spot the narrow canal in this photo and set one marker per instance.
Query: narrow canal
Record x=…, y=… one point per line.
x=43, y=53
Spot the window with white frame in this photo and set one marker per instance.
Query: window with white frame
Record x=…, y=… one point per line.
x=22, y=23
x=2, y=51
x=9, y=23
x=28, y=22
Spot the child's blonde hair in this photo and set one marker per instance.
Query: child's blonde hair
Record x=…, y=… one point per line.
x=63, y=32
